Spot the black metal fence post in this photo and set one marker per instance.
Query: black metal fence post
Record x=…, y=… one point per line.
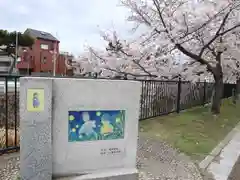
x=6, y=111
x=15, y=110
x=141, y=102
x=204, y=92
x=179, y=95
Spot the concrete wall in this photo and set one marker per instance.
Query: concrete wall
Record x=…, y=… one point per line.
x=36, y=132
x=51, y=127
x=80, y=94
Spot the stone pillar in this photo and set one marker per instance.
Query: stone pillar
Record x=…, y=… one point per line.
x=36, y=128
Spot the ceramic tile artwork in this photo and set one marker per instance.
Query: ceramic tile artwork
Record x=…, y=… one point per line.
x=35, y=100
x=96, y=125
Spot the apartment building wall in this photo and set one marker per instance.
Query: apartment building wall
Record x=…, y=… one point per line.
x=5, y=62
x=39, y=58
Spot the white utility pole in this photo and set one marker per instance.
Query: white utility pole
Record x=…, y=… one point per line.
x=16, y=47
x=55, y=56
x=16, y=52
x=28, y=67
x=54, y=59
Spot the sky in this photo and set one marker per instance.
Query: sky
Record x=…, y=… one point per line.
x=74, y=22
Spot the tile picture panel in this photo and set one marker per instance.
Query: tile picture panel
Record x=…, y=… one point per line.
x=96, y=125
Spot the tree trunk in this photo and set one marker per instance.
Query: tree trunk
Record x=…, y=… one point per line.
x=218, y=85
x=234, y=97
x=237, y=91
x=217, y=94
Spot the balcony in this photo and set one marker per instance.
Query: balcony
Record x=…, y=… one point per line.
x=5, y=59
x=25, y=65
x=4, y=69
x=4, y=65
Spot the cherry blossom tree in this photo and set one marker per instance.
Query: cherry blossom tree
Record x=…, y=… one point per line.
x=82, y=65
x=196, y=29
x=231, y=65
x=140, y=58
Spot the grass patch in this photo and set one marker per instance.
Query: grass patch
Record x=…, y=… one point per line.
x=196, y=131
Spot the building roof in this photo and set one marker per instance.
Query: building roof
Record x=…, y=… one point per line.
x=40, y=34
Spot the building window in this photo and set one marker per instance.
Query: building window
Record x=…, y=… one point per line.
x=44, y=46
x=44, y=60
x=52, y=47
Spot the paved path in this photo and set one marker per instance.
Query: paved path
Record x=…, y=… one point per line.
x=222, y=165
x=235, y=174
x=156, y=160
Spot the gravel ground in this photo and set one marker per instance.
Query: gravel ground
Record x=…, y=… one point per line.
x=156, y=160
x=11, y=169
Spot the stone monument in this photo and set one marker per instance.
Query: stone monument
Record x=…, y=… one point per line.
x=78, y=129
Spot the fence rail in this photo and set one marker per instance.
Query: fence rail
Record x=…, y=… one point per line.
x=157, y=98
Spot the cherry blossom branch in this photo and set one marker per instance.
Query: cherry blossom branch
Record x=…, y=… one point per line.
x=127, y=73
x=207, y=22
x=179, y=46
x=230, y=29
x=217, y=34
x=121, y=72
x=112, y=48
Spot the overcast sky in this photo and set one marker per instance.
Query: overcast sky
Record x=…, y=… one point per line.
x=72, y=22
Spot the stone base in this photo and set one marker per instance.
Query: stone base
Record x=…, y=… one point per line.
x=116, y=174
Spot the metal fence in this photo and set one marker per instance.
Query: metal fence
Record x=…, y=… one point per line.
x=9, y=113
x=164, y=97
x=157, y=98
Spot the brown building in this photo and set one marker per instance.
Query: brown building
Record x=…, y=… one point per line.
x=39, y=57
